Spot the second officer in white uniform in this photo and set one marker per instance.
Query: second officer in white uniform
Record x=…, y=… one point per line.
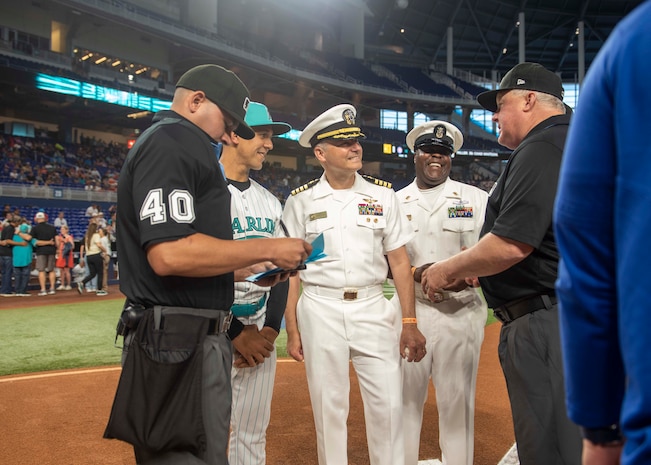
x=342, y=314
x=447, y=216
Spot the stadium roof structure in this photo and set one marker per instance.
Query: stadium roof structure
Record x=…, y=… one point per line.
x=409, y=33
x=486, y=32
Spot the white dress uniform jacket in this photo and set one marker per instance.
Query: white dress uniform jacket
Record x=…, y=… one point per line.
x=454, y=328
x=342, y=313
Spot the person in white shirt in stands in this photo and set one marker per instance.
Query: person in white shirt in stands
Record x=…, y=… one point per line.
x=91, y=210
x=60, y=221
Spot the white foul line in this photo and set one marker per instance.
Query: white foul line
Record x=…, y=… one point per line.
x=57, y=374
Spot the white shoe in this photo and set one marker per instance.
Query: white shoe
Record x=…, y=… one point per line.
x=67, y=288
x=61, y=288
x=42, y=293
x=51, y=292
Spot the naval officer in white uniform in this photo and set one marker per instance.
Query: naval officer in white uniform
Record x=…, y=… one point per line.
x=342, y=314
x=447, y=217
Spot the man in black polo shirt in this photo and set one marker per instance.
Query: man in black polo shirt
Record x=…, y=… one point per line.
x=516, y=261
x=45, y=249
x=178, y=261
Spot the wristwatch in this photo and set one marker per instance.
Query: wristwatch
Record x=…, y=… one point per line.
x=606, y=436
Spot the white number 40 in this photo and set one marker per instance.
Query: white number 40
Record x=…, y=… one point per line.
x=181, y=207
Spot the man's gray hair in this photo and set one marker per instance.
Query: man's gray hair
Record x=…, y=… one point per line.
x=547, y=100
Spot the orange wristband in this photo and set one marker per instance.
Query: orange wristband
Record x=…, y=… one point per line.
x=413, y=271
x=406, y=321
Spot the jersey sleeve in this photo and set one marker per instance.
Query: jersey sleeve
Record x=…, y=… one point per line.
x=164, y=191
x=587, y=275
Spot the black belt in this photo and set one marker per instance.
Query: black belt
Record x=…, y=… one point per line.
x=219, y=320
x=513, y=310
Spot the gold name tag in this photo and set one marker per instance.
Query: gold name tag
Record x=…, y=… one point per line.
x=316, y=216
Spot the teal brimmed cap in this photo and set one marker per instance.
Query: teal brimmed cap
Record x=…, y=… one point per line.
x=337, y=123
x=224, y=89
x=258, y=115
x=529, y=76
x=435, y=135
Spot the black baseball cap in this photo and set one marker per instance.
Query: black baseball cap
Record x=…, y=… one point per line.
x=224, y=89
x=530, y=76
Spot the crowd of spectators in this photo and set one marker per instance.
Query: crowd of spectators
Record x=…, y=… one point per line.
x=95, y=165
x=70, y=264
x=91, y=165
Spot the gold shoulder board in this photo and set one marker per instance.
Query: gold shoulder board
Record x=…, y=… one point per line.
x=376, y=181
x=305, y=186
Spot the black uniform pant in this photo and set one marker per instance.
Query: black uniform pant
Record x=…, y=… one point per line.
x=530, y=355
x=211, y=407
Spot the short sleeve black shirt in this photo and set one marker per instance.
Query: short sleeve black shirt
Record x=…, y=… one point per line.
x=171, y=186
x=520, y=207
x=6, y=233
x=44, y=232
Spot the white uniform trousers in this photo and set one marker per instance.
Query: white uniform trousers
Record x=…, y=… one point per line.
x=251, y=406
x=454, y=331
x=365, y=330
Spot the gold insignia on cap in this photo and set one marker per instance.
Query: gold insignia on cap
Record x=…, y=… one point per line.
x=439, y=131
x=348, y=116
x=343, y=133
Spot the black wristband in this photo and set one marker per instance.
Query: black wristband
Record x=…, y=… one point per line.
x=605, y=436
x=235, y=329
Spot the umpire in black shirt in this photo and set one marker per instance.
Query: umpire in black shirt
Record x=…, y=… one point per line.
x=516, y=261
x=178, y=263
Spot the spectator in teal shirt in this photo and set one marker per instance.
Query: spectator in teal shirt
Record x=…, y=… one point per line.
x=22, y=257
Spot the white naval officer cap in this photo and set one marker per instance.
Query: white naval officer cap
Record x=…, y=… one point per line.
x=336, y=123
x=435, y=133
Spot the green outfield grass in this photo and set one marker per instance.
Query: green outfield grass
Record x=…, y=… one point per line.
x=71, y=336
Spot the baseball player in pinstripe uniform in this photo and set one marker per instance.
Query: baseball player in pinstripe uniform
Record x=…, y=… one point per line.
x=255, y=213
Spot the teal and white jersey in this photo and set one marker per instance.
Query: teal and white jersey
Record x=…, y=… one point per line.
x=255, y=213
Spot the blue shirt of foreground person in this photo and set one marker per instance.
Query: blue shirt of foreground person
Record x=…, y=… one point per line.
x=602, y=223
